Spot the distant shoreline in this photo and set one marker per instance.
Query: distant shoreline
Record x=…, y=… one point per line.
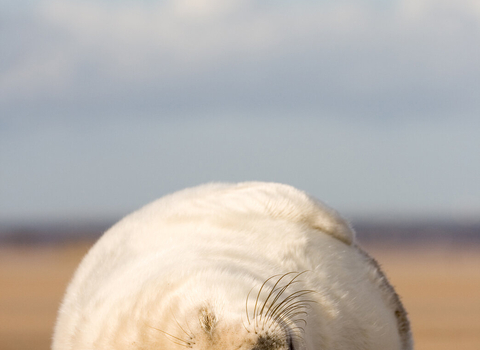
x=367, y=232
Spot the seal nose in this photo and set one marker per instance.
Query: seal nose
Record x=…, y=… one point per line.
x=269, y=342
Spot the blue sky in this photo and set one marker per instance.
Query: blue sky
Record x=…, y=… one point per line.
x=372, y=106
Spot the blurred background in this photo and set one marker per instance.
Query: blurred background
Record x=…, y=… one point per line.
x=372, y=106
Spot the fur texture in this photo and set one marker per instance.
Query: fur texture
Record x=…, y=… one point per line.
x=254, y=266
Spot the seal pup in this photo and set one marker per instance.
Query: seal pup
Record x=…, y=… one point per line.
x=248, y=266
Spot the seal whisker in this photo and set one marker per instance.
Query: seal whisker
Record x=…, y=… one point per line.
x=185, y=343
x=284, y=303
x=246, y=305
x=256, y=301
x=301, y=304
x=282, y=290
x=184, y=331
x=273, y=290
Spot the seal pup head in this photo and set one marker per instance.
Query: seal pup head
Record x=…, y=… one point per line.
x=178, y=274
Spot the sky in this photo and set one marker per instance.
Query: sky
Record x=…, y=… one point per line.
x=372, y=106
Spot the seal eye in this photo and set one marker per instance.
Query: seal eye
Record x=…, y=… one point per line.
x=290, y=342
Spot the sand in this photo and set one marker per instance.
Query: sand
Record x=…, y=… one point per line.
x=439, y=285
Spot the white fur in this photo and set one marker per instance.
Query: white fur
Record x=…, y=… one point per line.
x=150, y=278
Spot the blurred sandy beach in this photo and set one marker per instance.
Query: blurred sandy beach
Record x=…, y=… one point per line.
x=439, y=285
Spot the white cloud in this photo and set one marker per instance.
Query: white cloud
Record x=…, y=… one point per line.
x=321, y=55
x=205, y=9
